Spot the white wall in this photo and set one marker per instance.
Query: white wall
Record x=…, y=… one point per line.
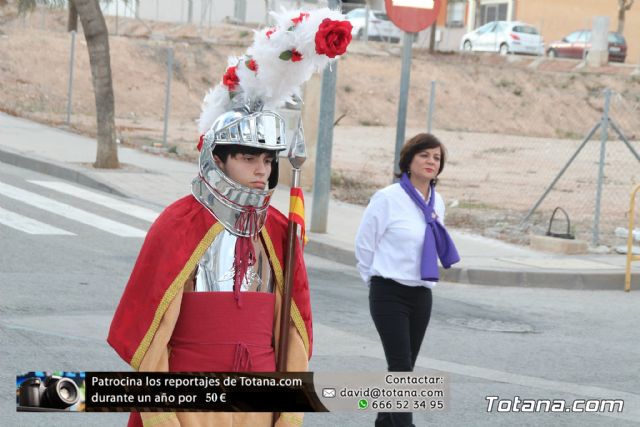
x=216, y=10
x=118, y=8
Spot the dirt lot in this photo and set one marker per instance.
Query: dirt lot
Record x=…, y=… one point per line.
x=510, y=122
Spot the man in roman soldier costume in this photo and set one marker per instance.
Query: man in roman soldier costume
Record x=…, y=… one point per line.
x=206, y=290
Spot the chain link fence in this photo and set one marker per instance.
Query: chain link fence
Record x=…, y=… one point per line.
x=508, y=185
x=511, y=125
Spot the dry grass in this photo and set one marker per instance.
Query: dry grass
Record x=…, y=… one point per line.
x=488, y=108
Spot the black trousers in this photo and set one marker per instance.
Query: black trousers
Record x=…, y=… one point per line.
x=401, y=315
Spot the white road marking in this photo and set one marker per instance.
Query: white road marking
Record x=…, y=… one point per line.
x=69, y=212
x=99, y=199
x=28, y=225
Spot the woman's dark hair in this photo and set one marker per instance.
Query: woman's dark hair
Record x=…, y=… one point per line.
x=223, y=151
x=417, y=144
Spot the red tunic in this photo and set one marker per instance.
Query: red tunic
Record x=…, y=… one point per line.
x=215, y=334
x=173, y=246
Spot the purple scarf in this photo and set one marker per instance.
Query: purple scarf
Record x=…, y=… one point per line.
x=436, y=238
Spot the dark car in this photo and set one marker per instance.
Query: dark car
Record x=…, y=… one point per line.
x=577, y=44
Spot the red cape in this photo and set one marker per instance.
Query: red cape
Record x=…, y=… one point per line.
x=174, y=244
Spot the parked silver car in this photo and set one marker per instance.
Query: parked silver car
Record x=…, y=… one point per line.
x=380, y=26
x=504, y=37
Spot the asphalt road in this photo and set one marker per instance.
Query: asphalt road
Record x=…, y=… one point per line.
x=58, y=293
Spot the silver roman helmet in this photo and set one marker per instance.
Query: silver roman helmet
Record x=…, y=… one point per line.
x=242, y=210
x=239, y=110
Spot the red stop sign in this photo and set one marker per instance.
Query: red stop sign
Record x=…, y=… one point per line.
x=412, y=15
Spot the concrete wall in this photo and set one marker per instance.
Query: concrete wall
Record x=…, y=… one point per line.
x=118, y=8
x=450, y=39
x=555, y=19
x=218, y=10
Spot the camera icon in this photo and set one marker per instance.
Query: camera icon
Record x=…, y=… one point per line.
x=54, y=392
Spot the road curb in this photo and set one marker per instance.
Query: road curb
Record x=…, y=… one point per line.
x=569, y=279
x=323, y=247
x=58, y=170
x=331, y=252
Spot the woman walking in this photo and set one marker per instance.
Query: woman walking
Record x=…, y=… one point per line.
x=398, y=244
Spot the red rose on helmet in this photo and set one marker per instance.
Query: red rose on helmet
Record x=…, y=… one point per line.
x=230, y=78
x=333, y=37
x=295, y=56
x=299, y=19
x=292, y=55
x=252, y=65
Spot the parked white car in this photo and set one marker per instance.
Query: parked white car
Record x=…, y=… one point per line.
x=504, y=37
x=380, y=26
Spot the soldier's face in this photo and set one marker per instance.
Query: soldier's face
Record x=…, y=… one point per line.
x=250, y=170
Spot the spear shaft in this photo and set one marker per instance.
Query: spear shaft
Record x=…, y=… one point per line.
x=297, y=155
x=292, y=233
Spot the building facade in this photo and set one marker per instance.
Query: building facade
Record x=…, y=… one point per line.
x=555, y=19
x=207, y=12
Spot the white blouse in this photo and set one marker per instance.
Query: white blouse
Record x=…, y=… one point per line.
x=391, y=235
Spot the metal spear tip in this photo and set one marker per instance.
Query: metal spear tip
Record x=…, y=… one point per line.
x=297, y=150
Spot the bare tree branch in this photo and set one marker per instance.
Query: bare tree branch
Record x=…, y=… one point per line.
x=72, y=19
x=623, y=7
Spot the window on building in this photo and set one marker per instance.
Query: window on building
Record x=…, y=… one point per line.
x=455, y=13
x=493, y=12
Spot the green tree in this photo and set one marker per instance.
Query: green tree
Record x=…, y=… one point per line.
x=623, y=7
x=96, y=35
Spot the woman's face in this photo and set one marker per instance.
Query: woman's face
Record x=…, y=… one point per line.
x=425, y=165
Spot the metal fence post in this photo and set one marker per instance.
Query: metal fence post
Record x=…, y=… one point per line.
x=322, y=173
x=117, y=13
x=432, y=99
x=366, y=23
x=167, y=98
x=604, y=135
x=210, y=13
x=70, y=86
x=404, y=95
x=588, y=24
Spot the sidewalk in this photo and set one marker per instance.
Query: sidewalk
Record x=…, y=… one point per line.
x=159, y=181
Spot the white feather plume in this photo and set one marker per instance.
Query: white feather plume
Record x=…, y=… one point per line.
x=276, y=79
